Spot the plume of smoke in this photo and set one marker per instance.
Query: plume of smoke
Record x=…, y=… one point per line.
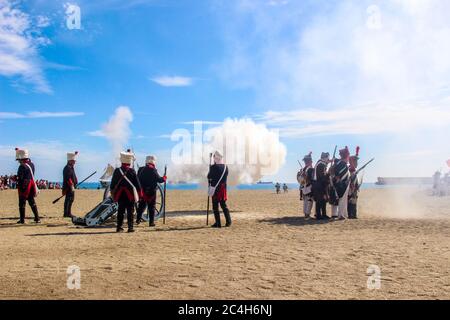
x=117, y=129
x=250, y=150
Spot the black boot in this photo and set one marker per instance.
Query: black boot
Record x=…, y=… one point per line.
x=226, y=213
x=21, y=216
x=151, y=218
x=119, y=223
x=217, y=224
x=36, y=214
x=139, y=212
x=130, y=221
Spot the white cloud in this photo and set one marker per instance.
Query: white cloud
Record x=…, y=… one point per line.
x=327, y=55
x=42, y=21
x=275, y=3
x=173, y=81
x=117, y=130
x=398, y=118
x=97, y=133
x=323, y=69
x=203, y=122
x=39, y=114
x=19, y=44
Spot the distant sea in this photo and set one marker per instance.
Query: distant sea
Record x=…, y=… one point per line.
x=195, y=186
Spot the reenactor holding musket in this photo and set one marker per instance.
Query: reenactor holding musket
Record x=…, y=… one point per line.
x=354, y=186
x=306, y=180
x=320, y=186
x=217, y=176
x=340, y=182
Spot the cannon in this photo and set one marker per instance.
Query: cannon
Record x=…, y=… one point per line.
x=106, y=209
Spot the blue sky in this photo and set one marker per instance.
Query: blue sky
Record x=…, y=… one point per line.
x=368, y=73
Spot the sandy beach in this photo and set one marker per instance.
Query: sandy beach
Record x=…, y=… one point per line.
x=270, y=252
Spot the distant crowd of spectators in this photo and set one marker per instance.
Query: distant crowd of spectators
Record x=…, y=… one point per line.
x=45, y=184
x=10, y=182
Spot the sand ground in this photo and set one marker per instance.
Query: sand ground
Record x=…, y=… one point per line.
x=270, y=252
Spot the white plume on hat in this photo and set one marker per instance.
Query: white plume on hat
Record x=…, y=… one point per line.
x=218, y=157
x=22, y=154
x=72, y=155
x=150, y=159
x=127, y=157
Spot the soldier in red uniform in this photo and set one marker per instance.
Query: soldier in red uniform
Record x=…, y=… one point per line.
x=70, y=182
x=217, y=177
x=26, y=185
x=125, y=190
x=149, y=178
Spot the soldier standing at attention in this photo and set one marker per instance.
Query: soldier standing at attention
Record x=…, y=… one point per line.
x=26, y=185
x=320, y=186
x=354, y=186
x=217, y=176
x=125, y=190
x=149, y=178
x=307, y=175
x=70, y=182
x=340, y=183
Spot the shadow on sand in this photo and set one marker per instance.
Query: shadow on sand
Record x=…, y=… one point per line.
x=295, y=221
x=169, y=229
x=73, y=233
x=186, y=213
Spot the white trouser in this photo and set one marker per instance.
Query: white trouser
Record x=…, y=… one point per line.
x=307, y=205
x=341, y=210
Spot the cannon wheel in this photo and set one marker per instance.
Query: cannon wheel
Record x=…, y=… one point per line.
x=159, y=202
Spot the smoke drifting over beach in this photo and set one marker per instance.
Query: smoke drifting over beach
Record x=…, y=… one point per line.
x=117, y=130
x=250, y=150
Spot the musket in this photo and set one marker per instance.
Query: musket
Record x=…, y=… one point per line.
x=364, y=166
x=334, y=153
x=56, y=200
x=209, y=184
x=301, y=167
x=164, y=193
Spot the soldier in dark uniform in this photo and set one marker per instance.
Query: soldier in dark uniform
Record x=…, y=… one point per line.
x=217, y=176
x=354, y=186
x=26, y=185
x=320, y=186
x=149, y=178
x=340, y=181
x=70, y=181
x=306, y=180
x=125, y=190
